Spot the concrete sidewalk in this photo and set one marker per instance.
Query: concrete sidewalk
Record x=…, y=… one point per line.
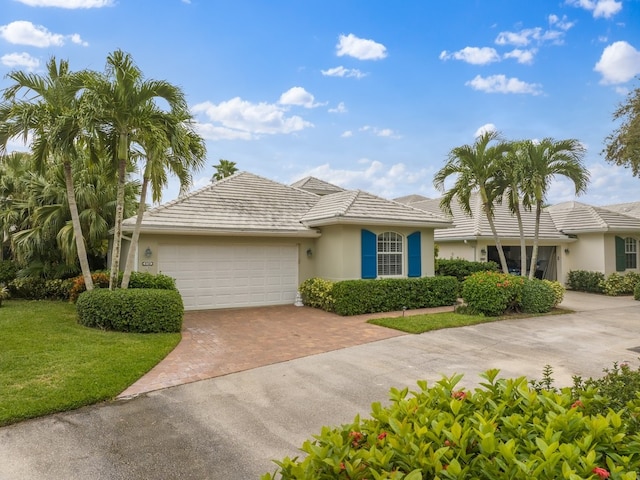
x=231, y=427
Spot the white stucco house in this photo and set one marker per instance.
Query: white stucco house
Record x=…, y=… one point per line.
x=250, y=241
x=573, y=236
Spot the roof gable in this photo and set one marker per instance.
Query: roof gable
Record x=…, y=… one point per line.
x=575, y=217
x=317, y=186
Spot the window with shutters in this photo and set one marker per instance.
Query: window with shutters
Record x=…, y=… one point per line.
x=390, y=254
x=631, y=252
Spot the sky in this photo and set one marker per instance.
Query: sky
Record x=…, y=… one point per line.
x=365, y=94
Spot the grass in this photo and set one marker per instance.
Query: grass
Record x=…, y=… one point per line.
x=437, y=321
x=49, y=363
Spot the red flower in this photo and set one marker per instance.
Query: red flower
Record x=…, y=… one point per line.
x=342, y=467
x=601, y=472
x=459, y=395
x=382, y=436
x=577, y=404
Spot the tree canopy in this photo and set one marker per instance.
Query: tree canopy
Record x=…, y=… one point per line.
x=622, y=147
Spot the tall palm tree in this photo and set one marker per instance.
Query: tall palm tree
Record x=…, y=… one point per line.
x=173, y=148
x=510, y=179
x=51, y=113
x=224, y=169
x=122, y=101
x=546, y=160
x=476, y=168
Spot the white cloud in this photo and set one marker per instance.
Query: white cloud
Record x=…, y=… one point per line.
x=561, y=23
x=343, y=72
x=22, y=32
x=379, y=132
x=600, y=8
x=240, y=119
x=347, y=134
x=339, y=109
x=360, y=48
x=20, y=60
x=209, y=131
x=374, y=177
x=71, y=4
x=619, y=63
x=473, y=55
x=298, y=96
x=522, y=56
x=502, y=84
x=487, y=127
x=527, y=36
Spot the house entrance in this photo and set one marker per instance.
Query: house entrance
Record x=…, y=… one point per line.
x=546, y=265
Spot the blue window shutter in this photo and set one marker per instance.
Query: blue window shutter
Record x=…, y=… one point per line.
x=415, y=257
x=621, y=258
x=369, y=254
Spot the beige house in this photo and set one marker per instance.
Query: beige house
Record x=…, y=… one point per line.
x=250, y=241
x=573, y=236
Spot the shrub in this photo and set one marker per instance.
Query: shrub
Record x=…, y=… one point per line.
x=502, y=429
x=131, y=310
x=30, y=288
x=537, y=296
x=461, y=269
x=616, y=284
x=356, y=297
x=636, y=292
x=150, y=280
x=585, y=281
x=8, y=271
x=4, y=293
x=492, y=293
x=100, y=280
x=316, y=293
x=558, y=291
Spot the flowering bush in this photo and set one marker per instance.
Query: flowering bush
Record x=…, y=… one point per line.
x=492, y=293
x=616, y=284
x=502, y=429
x=100, y=280
x=558, y=291
x=316, y=293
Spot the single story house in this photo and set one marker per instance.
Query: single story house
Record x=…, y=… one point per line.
x=250, y=241
x=573, y=236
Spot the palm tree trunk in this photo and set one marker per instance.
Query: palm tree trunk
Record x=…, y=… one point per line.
x=487, y=211
x=133, y=248
x=536, y=234
x=523, y=243
x=77, y=228
x=123, y=150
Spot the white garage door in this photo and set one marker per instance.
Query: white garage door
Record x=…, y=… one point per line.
x=217, y=276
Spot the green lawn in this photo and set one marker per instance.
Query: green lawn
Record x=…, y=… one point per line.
x=437, y=321
x=49, y=363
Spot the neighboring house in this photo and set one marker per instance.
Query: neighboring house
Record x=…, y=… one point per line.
x=573, y=236
x=249, y=241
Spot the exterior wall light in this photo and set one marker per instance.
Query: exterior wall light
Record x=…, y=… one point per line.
x=566, y=250
x=148, y=253
x=309, y=253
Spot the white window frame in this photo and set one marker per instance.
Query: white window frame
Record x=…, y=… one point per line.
x=390, y=250
x=631, y=253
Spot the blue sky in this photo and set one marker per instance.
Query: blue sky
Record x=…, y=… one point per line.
x=366, y=94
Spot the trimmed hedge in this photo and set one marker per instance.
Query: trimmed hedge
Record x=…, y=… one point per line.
x=492, y=293
x=585, y=281
x=537, y=296
x=356, y=297
x=137, y=280
x=461, y=269
x=39, y=289
x=616, y=284
x=138, y=310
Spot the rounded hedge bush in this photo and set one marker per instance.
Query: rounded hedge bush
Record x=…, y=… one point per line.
x=537, y=296
x=636, y=292
x=492, y=293
x=502, y=429
x=140, y=310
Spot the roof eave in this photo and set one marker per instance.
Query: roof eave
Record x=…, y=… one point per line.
x=226, y=232
x=339, y=220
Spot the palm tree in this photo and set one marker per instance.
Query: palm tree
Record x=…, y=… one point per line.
x=224, y=169
x=476, y=168
x=51, y=114
x=544, y=161
x=510, y=179
x=174, y=148
x=122, y=111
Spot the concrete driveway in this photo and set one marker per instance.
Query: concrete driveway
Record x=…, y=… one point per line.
x=231, y=427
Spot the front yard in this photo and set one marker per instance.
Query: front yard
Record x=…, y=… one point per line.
x=49, y=363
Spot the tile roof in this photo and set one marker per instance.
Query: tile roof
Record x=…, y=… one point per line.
x=315, y=185
x=575, y=217
x=356, y=206
x=631, y=208
x=243, y=202
x=247, y=204
x=472, y=227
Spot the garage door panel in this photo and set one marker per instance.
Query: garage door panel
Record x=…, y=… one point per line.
x=216, y=276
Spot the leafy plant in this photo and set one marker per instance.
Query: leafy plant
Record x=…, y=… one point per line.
x=316, y=293
x=502, y=429
x=100, y=280
x=138, y=310
x=461, y=268
x=8, y=271
x=4, y=293
x=537, y=296
x=636, y=292
x=558, y=291
x=492, y=293
x=616, y=284
x=585, y=281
